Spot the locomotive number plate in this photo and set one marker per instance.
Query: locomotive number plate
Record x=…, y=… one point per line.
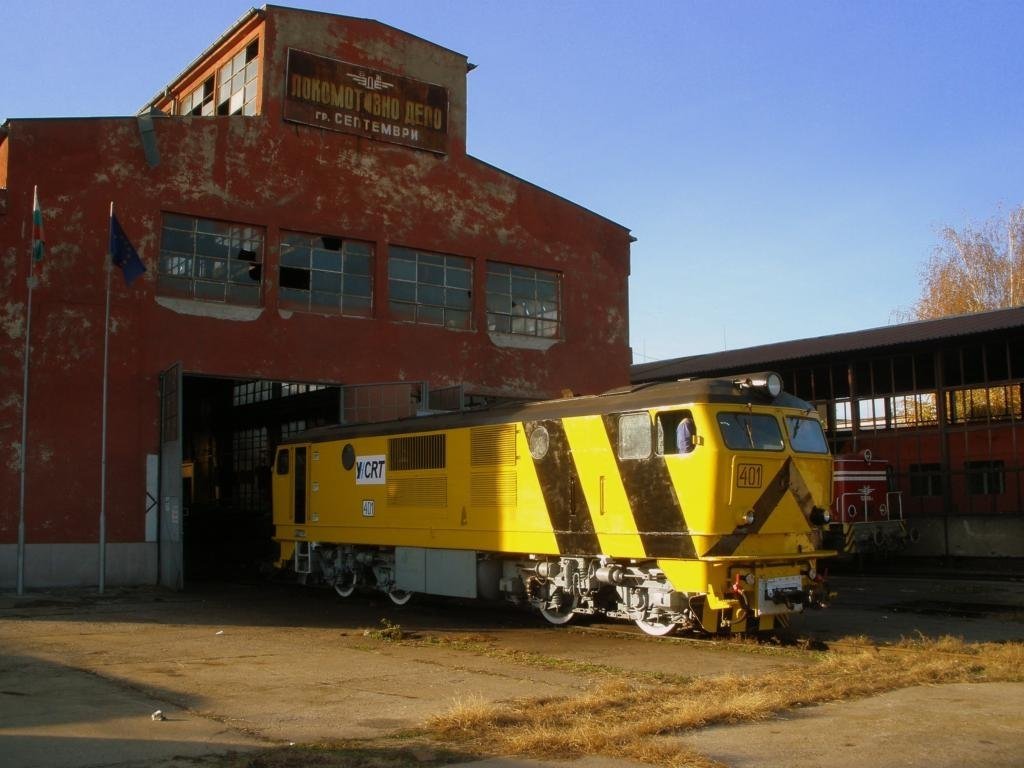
x=749, y=475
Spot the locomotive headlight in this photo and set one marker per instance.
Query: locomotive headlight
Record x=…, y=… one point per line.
x=769, y=382
x=747, y=518
x=820, y=516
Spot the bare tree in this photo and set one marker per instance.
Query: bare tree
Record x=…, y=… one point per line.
x=974, y=269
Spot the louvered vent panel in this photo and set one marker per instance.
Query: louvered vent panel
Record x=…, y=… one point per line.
x=493, y=446
x=493, y=490
x=417, y=492
x=419, y=452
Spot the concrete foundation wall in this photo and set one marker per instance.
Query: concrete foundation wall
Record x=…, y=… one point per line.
x=77, y=565
x=974, y=536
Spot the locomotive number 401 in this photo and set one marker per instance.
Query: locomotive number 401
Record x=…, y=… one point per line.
x=749, y=475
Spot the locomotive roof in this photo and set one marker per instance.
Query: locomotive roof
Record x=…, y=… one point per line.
x=633, y=398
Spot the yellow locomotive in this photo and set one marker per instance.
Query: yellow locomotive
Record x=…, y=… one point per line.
x=692, y=504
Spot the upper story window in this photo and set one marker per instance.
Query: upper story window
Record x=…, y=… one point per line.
x=200, y=100
x=232, y=91
x=430, y=288
x=326, y=274
x=210, y=260
x=236, y=82
x=523, y=300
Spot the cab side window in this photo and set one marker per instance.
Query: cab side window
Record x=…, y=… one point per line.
x=634, y=435
x=677, y=432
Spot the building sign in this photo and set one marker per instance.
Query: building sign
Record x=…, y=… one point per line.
x=349, y=98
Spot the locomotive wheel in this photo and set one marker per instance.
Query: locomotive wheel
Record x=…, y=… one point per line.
x=345, y=585
x=399, y=596
x=562, y=610
x=653, y=625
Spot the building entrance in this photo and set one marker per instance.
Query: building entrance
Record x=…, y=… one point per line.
x=230, y=429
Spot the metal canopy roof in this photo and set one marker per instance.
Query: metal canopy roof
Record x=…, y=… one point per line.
x=874, y=338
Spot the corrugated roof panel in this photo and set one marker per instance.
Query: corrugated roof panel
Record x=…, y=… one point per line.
x=874, y=338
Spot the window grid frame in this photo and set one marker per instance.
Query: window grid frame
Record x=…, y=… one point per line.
x=237, y=68
x=295, y=243
x=420, y=309
x=177, y=268
x=535, y=318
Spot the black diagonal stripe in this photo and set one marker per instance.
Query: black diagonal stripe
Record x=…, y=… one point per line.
x=656, y=510
x=766, y=503
x=563, y=496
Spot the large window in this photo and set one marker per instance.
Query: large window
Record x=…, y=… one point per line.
x=236, y=91
x=523, y=300
x=984, y=478
x=430, y=288
x=210, y=260
x=249, y=455
x=983, y=404
x=200, y=100
x=926, y=479
x=247, y=392
x=914, y=410
x=326, y=274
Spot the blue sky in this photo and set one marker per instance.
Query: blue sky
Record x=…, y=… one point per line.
x=784, y=166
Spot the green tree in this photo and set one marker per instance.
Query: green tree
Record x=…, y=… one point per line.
x=974, y=269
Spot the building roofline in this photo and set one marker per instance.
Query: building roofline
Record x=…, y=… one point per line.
x=528, y=183
x=880, y=337
x=242, y=21
x=254, y=12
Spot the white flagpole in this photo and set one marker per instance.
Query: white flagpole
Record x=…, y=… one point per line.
x=24, y=398
x=103, y=430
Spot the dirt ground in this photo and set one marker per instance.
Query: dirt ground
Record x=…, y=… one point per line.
x=239, y=667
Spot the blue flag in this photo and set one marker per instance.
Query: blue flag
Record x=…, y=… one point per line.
x=123, y=253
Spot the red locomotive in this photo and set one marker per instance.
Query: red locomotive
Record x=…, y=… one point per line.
x=867, y=510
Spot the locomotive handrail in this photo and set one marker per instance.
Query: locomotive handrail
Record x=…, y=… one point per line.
x=769, y=559
x=898, y=496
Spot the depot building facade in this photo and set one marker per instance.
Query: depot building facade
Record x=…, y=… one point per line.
x=319, y=247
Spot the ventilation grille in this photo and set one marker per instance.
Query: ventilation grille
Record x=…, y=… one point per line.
x=420, y=452
x=493, y=490
x=493, y=446
x=418, y=492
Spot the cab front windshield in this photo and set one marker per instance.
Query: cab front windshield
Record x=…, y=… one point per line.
x=805, y=434
x=750, y=431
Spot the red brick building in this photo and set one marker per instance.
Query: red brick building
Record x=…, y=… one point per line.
x=312, y=227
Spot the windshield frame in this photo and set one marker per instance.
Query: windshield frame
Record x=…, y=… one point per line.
x=792, y=418
x=748, y=433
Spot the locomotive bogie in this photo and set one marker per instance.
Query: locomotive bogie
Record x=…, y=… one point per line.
x=574, y=507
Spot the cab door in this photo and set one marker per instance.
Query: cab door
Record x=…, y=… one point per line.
x=291, y=485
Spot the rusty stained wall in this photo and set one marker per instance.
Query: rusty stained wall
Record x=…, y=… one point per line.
x=263, y=172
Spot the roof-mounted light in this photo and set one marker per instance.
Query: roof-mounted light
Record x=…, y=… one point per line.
x=768, y=382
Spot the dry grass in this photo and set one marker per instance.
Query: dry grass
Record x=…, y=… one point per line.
x=621, y=717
